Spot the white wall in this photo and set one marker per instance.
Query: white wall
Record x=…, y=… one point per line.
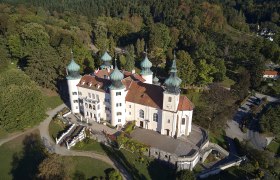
x=115, y=118
x=72, y=87
x=173, y=105
x=148, y=78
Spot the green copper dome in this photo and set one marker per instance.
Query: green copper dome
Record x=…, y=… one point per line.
x=73, y=70
x=106, y=57
x=145, y=66
x=73, y=66
x=172, y=83
x=116, y=78
x=116, y=75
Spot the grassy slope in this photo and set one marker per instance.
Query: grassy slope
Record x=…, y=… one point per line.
x=88, y=166
x=55, y=127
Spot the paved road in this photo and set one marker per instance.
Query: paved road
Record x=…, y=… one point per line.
x=253, y=134
x=43, y=127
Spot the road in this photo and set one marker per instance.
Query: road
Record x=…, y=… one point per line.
x=43, y=127
x=233, y=130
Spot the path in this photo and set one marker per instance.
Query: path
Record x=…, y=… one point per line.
x=43, y=127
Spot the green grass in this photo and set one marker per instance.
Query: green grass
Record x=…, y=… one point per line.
x=7, y=151
x=232, y=173
x=55, y=127
x=227, y=82
x=273, y=147
x=3, y=133
x=91, y=145
x=87, y=166
x=140, y=166
x=52, y=101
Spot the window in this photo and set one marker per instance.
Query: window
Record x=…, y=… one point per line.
x=75, y=101
x=119, y=113
x=93, y=107
x=93, y=96
x=119, y=120
x=118, y=93
x=129, y=106
x=97, y=96
x=80, y=93
x=169, y=99
x=89, y=95
x=129, y=113
x=119, y=104
x=76, y=107
x=168, y=121
x=141, y=113
x=183, y=121
x=86, y=105
x=106, y=108
x=87, y=113
x=107, y=100
x=74, y=93
x=90, y=106
x=155, y=117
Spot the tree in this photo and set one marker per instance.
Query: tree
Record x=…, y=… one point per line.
x=186, y=68
x=22, y=104
x=130, y=62
x=218, y=107
x=140, y=47
x=205, y=72
x=51, y=168
x=159, y=37
x=185, y=175
x=114, y=175
x=241, y=87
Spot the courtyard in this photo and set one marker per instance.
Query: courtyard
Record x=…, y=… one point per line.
x=182, y=146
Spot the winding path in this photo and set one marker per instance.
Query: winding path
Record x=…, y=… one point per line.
x=43, y=127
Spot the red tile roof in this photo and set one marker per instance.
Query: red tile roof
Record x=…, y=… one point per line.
x=185, y=104
x=94, y=82
x=145, y=94
x=270, y=72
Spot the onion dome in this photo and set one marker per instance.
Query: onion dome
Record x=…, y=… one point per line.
x=172, y=83
x=73, y=70
x=145, y=66
x=106, y=57
x=116, y=78
x=156, y=81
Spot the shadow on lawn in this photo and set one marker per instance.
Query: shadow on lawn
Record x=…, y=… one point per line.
x=25, y=164
x=117, y=155
x=161, y=170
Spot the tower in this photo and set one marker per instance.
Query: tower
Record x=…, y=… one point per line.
x=146, y=72
x=171, y=97
x=106, y=59
x=73, y=78
x=117, y=93
x=171, y=94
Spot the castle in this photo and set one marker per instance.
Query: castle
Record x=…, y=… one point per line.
x=118, y=96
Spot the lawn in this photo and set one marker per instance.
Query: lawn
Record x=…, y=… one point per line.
x=232, y=173
x=7, y=151
x=140, y=166
x=273, y=147
x=87, y=166
x=84, y=165
x=3, y=133
x=91, y=145
x=55, y=127
x=52, y=101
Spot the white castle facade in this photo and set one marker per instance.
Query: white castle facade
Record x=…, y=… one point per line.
x=117, y=97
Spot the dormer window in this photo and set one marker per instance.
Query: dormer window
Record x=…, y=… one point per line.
x=90, y=84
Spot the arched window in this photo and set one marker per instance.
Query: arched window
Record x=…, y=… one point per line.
x=86, y=105
x=141, y=113
x=155, y=117
x=90, y=106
